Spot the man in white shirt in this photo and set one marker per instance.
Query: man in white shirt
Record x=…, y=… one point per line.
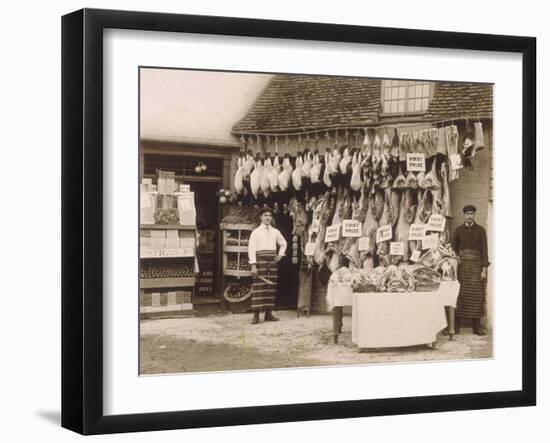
x=266, y=247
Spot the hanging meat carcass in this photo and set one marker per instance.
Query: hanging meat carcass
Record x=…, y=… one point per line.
x=307, y=163
x=370, y=225
x=297, y=173
x=451, y=138
x=446, y=196
x=264, y=179
x=274, y=174
x=256, y=176
x=430, y=180
x=351, y=245
x=356, y=183
x=326, y=175
x=238, y=181
x=401, y=233
x=315, y=171
x=248, y=165
x=400, y=181
x=285, y=175
x=345, y=161
x=395, y=200
x=383, y=248
x=325, y=216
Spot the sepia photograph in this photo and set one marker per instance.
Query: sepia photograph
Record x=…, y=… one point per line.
x=297, y=220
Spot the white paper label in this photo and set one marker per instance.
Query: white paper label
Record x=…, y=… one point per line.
x=315, y=225
x=397, y=248
x=310, y=247
x=351, y=228
x=430, y=241
x=383, y=233
x=364, y=244
x=416, y=162
x=456, y=161
x=417, y=231
x=436, y=223
x=415, y=255
x=332, y=234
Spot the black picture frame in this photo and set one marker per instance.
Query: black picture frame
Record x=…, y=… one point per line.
x=82, y=216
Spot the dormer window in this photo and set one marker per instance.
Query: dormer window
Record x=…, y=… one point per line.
x=406, y=96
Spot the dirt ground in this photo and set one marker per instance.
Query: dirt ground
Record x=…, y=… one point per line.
x=231, y=342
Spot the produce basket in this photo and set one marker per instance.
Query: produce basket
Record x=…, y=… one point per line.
x=238, y=304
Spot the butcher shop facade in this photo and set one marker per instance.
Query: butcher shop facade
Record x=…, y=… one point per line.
x=363, y=176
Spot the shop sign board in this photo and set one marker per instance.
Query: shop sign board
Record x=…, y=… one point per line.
x=416, y=162
x=310, y=247
x=397, y=248
x=430, y=241
x=417, y=231
x=333, y=233
x=351, y=228
x=383, y=233
x=436, y=223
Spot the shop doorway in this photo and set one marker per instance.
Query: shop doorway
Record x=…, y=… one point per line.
x=287, y=287
x=208, y=219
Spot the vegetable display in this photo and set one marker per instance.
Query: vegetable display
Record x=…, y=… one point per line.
x=165, y=270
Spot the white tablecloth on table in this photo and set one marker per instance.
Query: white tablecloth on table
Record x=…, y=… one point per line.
x=393, y=319
x=338, y=294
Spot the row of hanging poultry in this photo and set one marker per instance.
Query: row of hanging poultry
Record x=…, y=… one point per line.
x=375, y=163
x=368, y=183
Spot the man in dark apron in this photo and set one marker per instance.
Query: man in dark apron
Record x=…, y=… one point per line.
x=266, y=247
x=470, y=243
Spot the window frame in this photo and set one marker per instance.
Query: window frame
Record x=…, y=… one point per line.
x=384, y=85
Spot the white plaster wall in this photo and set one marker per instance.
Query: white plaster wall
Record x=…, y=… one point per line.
x=195, y=106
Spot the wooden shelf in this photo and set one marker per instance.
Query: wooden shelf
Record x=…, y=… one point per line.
x=235, y=248
x=237, y=273
x=178, y=227
x=175, y=282
x=168, y=256
x=237, y=226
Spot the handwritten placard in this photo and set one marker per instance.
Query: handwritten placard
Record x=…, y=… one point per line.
x=351, y=228
x=415, y=255
x=397, y=248
x=310, y=247
x=167, y=252
x=417, y=231
x=383, y=233
x=332, y=234
x=456, y=161
x=436, y=223
x=315, y=225
x=430, y=241
x=364, y=244
x=416, y=162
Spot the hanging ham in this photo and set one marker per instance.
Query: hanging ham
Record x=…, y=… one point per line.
x=297, y=173
x=284, y=176
x=238, y=181
x=274, y=174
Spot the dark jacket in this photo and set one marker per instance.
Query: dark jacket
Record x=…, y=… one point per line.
x=472, y=237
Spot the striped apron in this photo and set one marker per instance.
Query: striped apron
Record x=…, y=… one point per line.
x=471, y=299
x=263, y=294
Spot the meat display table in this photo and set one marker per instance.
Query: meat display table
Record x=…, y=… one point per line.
x=393, y=319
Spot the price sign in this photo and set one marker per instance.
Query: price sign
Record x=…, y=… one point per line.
x=430, y=241
x=364, y=244
x=436, y=223
x=416, y=162
x=456, y=161
x=351, y=228
x=383, y=233
x=310, y=247
x=147, y=252
x=417, y=231
x=397, y=248
x=315, y=225
x=332, y=234
x=415, y=255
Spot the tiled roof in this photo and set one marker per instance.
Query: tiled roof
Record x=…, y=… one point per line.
x=461, y=100
x=301, y=102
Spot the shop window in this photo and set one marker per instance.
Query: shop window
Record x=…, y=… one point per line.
x=406, y=96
